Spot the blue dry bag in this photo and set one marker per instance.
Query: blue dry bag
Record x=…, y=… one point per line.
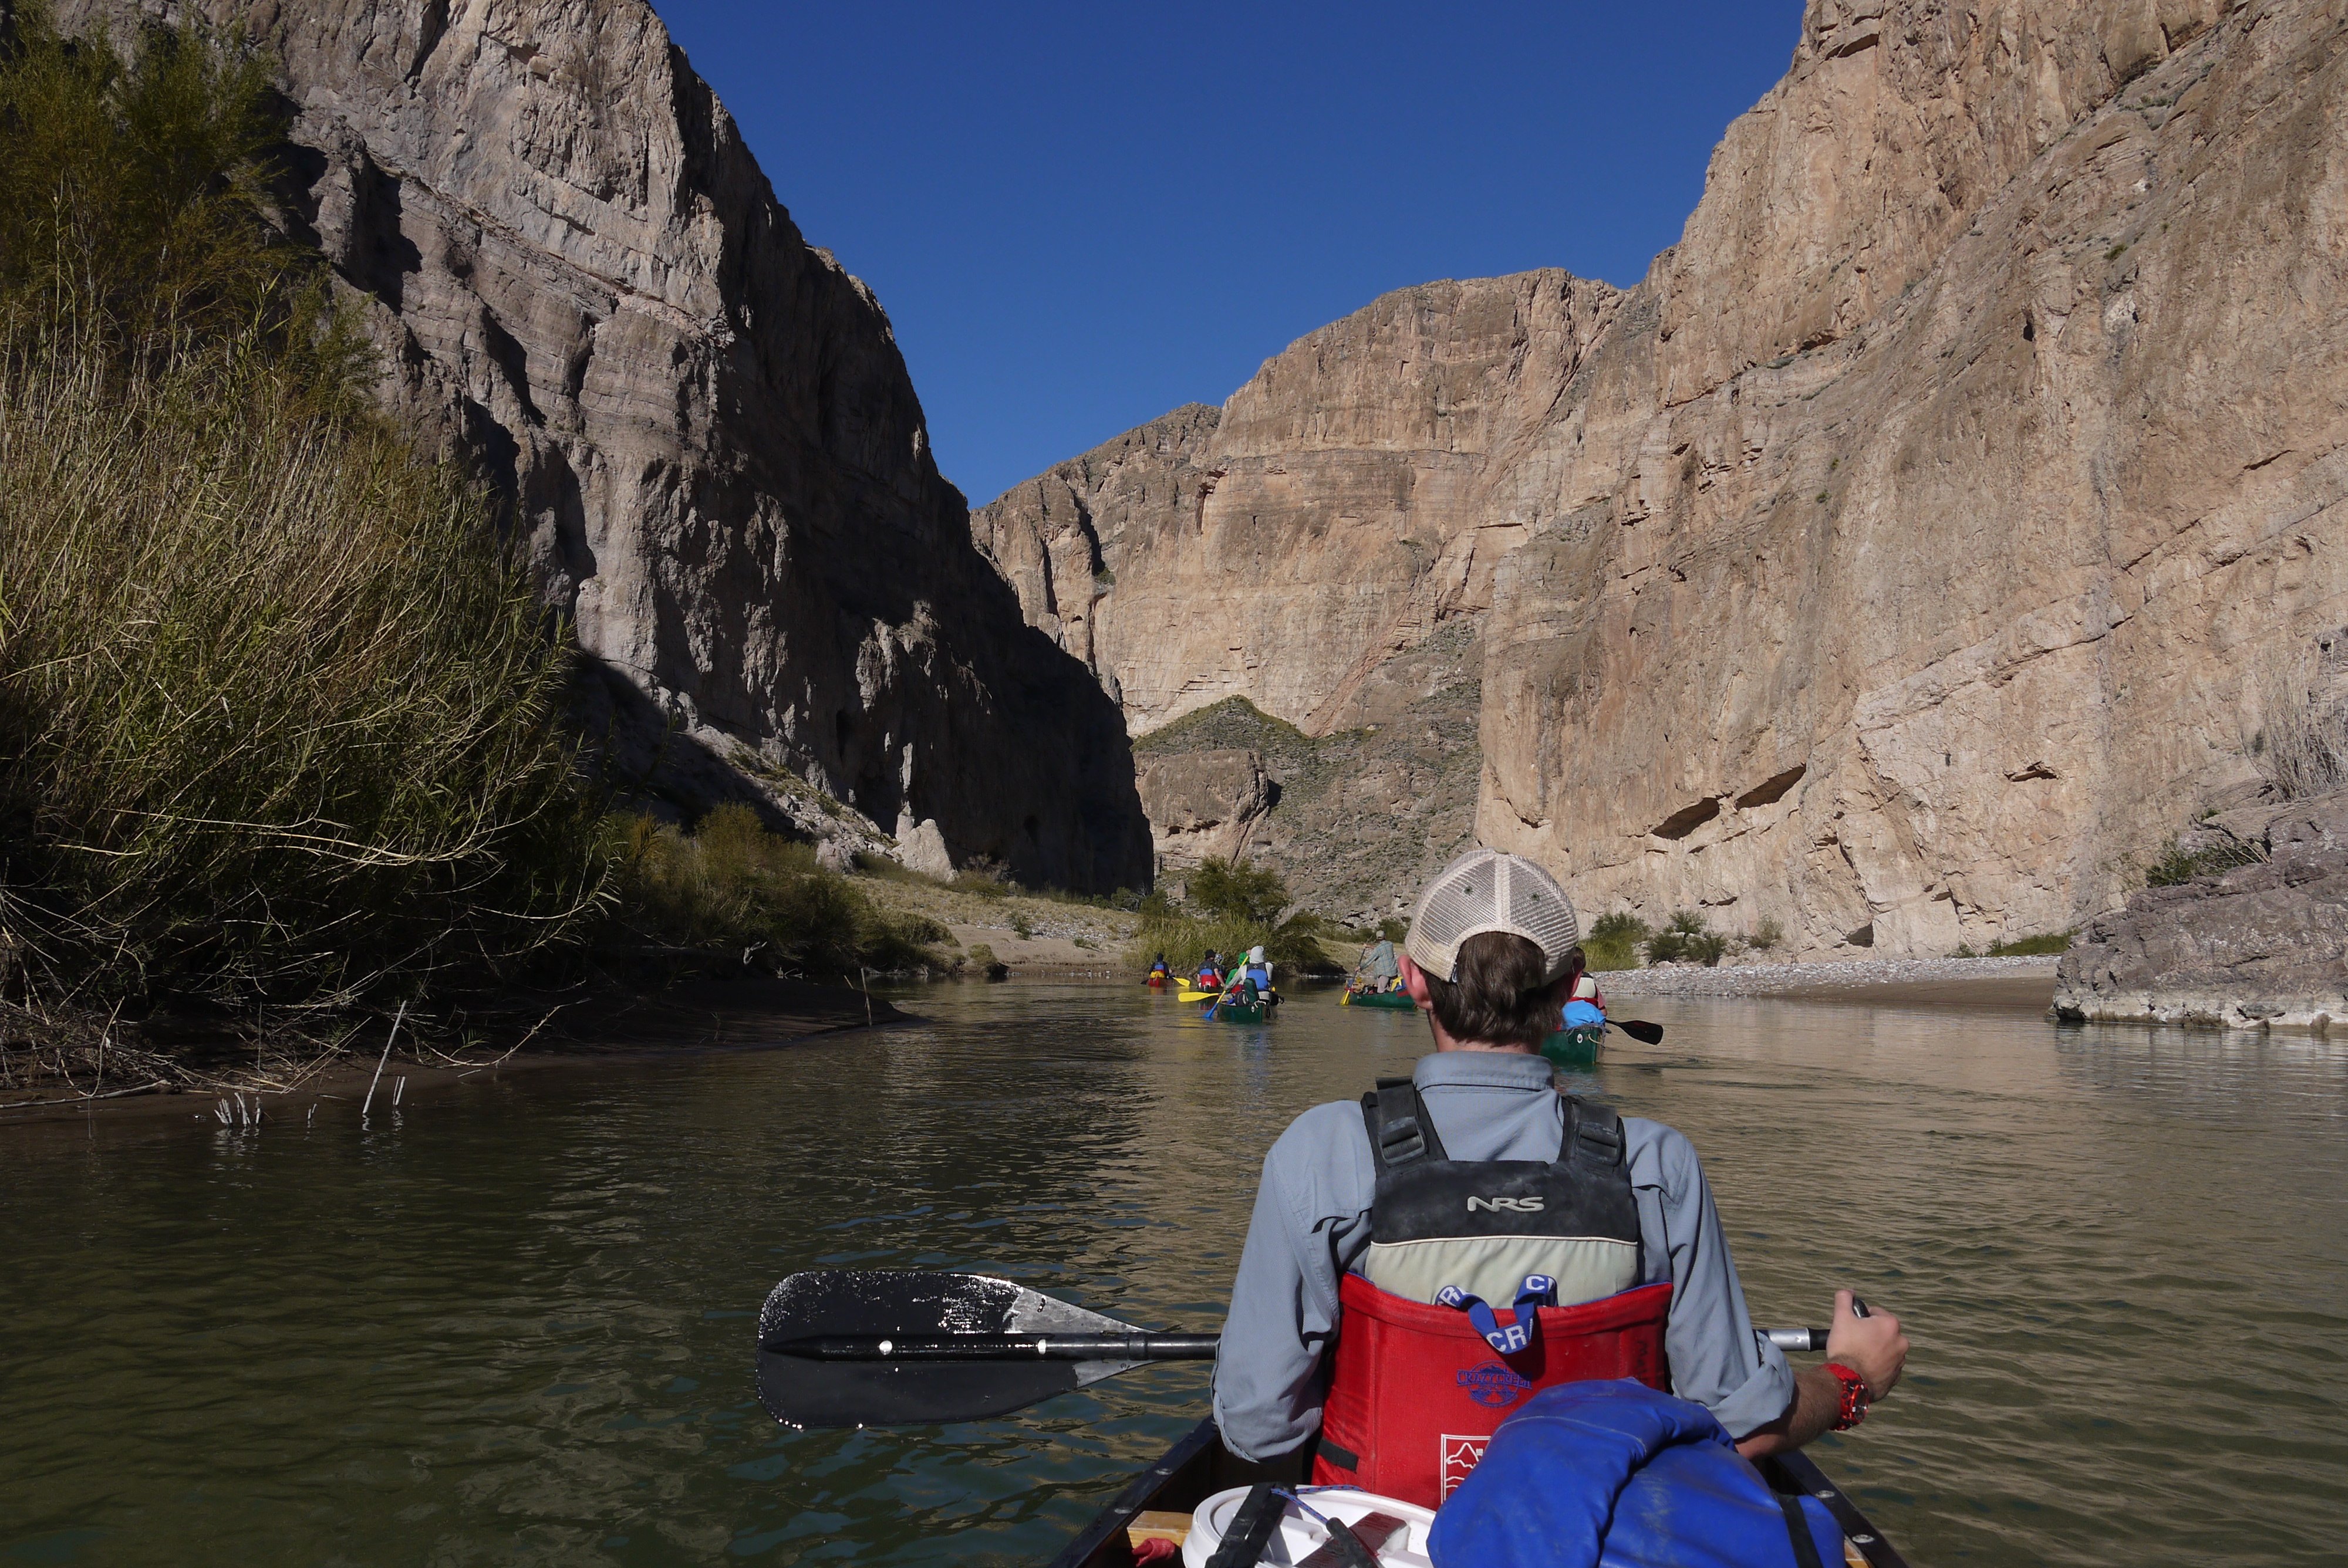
x=1616, y=1475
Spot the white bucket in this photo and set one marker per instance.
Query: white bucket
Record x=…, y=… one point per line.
x=1300, y=1534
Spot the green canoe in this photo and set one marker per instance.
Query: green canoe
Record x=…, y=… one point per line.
x=1398, y=1001
x=1575, y=1046
x=1240, y=1012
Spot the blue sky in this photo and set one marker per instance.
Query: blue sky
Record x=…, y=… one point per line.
x=1081, y=216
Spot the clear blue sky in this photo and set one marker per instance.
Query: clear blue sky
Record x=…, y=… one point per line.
x=1082, y=215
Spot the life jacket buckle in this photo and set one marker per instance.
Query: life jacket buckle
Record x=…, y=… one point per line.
x=1401, y=1141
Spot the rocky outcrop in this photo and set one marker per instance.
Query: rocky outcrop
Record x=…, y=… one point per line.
x=1897, y=561
x=583, y=283
x=1359, y=818
x=2265, y=946
x=1204, y=803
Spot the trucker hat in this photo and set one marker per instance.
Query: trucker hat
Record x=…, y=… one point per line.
x=1491, y=890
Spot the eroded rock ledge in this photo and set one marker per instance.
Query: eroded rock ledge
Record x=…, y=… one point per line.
x=2265, y=946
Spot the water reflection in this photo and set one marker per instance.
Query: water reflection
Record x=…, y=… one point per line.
x=510, y=1323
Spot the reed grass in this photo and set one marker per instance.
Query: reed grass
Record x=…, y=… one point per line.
x=730, y=885
x=278, y=717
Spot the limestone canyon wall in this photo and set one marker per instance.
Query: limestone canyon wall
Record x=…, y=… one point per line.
x=584, y=284
x=1900, y=561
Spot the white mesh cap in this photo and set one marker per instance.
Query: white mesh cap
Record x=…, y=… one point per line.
x=1491, y=890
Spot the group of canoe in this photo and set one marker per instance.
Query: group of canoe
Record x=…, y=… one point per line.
x=1247, y=996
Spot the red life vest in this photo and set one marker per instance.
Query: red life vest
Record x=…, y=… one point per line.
x=1417, y=1388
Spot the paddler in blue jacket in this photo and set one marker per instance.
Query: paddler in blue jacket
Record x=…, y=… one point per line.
x=1368, y=1310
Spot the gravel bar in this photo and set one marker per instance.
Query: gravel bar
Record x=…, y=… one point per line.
x=1765, y=980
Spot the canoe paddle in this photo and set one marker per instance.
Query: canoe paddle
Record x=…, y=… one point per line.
x=1809, y=1340
x=1645, y=1033
x=877, y=1347
x=853, y=1347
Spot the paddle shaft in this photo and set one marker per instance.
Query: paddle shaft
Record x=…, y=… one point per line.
x=998, y=1347
x=1804, y=1340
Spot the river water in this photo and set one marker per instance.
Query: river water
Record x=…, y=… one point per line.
x=511, y=1322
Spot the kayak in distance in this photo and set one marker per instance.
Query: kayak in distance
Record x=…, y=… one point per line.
x=1157, y=1506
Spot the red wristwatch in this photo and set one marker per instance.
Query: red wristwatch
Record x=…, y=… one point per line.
x=1854, y=1397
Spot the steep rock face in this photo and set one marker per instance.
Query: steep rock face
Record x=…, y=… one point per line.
x=1897, y=561
x=2262, y=945
x=583, y=282
x=1340, y=507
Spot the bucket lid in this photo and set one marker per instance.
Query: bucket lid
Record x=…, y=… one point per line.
x=1300, y=1534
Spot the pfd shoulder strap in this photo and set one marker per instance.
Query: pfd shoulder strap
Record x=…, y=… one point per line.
x=1401, y=1132
x=1593, y=1140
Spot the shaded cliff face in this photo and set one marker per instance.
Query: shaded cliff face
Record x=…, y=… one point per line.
x=582, y=281
x=1899, y=560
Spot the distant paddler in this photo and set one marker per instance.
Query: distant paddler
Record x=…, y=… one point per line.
x=1160, y=972
x=1250, y=982
x=1377, y=973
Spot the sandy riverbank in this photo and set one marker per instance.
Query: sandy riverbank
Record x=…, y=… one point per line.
x=2016, y=984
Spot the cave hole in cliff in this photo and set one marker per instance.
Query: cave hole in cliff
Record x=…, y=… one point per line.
x=1688, y=818
x=1769, y=791
x=1863, y=937
x=2028, y=328
x=843, y=734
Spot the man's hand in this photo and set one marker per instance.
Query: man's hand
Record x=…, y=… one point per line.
x=1872, y=1347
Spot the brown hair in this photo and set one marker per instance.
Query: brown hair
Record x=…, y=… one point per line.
x=1496, y=994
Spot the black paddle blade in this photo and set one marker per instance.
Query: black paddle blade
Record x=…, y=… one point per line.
x=1645, y=1033
x=800, y=1393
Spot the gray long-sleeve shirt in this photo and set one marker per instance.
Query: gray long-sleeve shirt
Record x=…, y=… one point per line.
x=1311, y=1222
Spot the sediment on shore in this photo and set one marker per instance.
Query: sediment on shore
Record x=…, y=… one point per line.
x=2003, y=983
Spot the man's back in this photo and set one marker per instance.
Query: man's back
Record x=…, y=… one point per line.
x=1311, y=1224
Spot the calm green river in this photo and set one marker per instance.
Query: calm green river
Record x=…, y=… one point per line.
x=511, y=1322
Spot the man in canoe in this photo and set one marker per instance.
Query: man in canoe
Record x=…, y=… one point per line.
x=1379, y=971
x=1390, y=1234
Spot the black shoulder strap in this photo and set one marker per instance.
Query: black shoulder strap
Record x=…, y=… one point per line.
x=1401, y=1132
x=1593, y=1137
x=1797, y=1529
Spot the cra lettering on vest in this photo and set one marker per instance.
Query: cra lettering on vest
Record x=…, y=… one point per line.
x=1424, y=1370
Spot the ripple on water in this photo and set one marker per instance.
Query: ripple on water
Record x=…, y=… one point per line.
x=511, y=1324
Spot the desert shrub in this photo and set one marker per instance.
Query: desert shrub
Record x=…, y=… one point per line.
x=1020, y=926
x=1392, y=928
x=1613, y=940
x=2301, y=746
x=1766, y=935
x=1687, y=939
x=1293, y=945
x=2176, y=865
x=132, y=195
x=2052, y=943
x=981, y=957
x=732, y=887
x=1234, y=890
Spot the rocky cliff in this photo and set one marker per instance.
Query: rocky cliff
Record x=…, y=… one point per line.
x=1897, y=561
x=2263, y=945
x=583, y=283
